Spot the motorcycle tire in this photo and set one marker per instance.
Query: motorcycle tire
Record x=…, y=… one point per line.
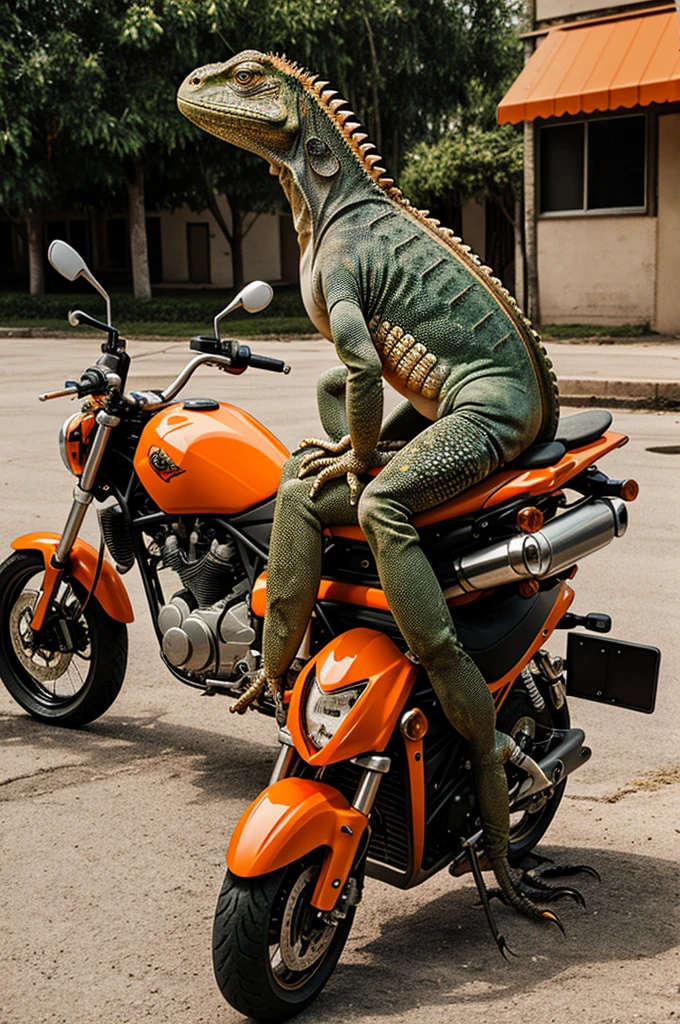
x=57, y=686
x=518, y=715
x=264, y=939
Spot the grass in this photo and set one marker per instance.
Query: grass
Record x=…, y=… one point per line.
x=255, y=326
x=175, y=314
x=555, y=332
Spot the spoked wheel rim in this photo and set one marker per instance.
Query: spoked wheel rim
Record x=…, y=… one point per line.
x=299, y=939
x=54, y=676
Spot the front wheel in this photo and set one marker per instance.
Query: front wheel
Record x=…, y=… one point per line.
x=71, y=672
x=272, y=951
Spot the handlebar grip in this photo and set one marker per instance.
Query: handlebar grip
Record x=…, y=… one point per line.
x=265, y=363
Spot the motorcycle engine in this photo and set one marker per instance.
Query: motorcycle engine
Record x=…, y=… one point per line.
x=207, y=626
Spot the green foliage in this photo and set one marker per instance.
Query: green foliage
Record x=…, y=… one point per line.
x=177, y=330
x=463, y=166
x=16, y=306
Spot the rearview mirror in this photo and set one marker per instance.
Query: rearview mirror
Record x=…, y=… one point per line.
x=254, y=297
x=71, y=265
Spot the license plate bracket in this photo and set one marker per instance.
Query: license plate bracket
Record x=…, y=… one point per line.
x=613, y=672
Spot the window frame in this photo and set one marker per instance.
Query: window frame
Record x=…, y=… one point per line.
x=604, y=211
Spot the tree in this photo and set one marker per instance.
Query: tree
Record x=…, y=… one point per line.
x=476, y=165
x=45, y=75
x=474, y=159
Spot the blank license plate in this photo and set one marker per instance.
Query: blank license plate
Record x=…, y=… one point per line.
x=612, y=672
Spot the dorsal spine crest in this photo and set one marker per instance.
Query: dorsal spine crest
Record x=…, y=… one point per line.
x=354, y=137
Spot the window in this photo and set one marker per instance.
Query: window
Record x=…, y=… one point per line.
x=593, y=165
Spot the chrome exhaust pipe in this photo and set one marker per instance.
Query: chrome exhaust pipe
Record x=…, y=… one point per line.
x=566, y=539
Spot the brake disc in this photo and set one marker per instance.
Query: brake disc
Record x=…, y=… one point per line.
x=44, y=665
x=302, y=946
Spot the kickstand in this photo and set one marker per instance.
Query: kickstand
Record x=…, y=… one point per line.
x=471, y=852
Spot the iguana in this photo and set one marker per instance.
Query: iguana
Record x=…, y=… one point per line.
x=403, y=299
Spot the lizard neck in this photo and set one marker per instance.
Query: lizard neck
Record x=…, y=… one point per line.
x=321, y=177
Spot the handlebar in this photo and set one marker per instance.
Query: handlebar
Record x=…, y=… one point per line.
x=228, y=355
x=93, y=382
x=240, y=355
x=265, y=363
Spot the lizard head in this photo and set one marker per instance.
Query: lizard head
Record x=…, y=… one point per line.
x=245, y=101
x=270, y=106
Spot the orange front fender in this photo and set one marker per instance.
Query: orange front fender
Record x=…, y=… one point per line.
x=82, y=564
x=291, y=819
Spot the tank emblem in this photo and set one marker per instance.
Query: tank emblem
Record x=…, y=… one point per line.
x=162, y=464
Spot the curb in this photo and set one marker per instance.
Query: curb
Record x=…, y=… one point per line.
x=627, y=394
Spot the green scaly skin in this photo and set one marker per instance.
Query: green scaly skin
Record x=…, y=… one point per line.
x=403, y=300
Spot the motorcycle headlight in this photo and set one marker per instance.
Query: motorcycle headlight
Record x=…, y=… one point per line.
x=325, y=711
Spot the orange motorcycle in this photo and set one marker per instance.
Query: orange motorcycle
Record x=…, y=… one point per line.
x=187, y=492
x=371, y=779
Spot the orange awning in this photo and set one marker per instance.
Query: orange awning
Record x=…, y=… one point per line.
x=599, y=65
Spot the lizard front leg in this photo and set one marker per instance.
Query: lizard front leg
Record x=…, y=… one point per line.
x=363, y=404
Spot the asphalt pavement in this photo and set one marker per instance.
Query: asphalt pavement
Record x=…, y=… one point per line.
x=112, y=838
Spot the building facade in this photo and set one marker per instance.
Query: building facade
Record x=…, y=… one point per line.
x=187, y=250
x=600, y=99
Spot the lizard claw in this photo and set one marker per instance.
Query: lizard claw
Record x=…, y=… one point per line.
x=348, y=464
x=333, y=468
x=250, y=694
x=332, y=447
x=313, y=463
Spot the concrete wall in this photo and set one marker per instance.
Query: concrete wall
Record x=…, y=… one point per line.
x=668, y=251
x=597, y=270
x=551, y=9
x=261, y=250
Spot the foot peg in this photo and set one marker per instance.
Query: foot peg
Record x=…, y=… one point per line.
x=537, y=780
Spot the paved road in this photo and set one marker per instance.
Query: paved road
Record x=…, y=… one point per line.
x=641, y=361
x=112, y=838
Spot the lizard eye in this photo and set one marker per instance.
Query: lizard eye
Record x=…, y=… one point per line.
x=244, y=77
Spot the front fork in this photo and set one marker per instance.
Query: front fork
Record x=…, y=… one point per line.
x=375, y=766
x=82, y=499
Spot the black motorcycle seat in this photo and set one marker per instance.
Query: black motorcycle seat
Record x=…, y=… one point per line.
x=572, y=432
x=537, y=455
x=582, y=428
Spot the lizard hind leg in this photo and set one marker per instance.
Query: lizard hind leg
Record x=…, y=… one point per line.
x=520, y=890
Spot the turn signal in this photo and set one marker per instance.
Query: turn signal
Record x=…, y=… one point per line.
x=75, y=440
x=414, y=724
x=529, y=519
x=629, y=490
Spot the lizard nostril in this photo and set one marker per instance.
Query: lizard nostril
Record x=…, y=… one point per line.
x=196, y=80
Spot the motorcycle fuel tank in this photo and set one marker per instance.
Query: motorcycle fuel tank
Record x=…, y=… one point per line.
x=208, y=457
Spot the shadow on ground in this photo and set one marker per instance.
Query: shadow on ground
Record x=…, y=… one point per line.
x=442, y=954
x=218, y=763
